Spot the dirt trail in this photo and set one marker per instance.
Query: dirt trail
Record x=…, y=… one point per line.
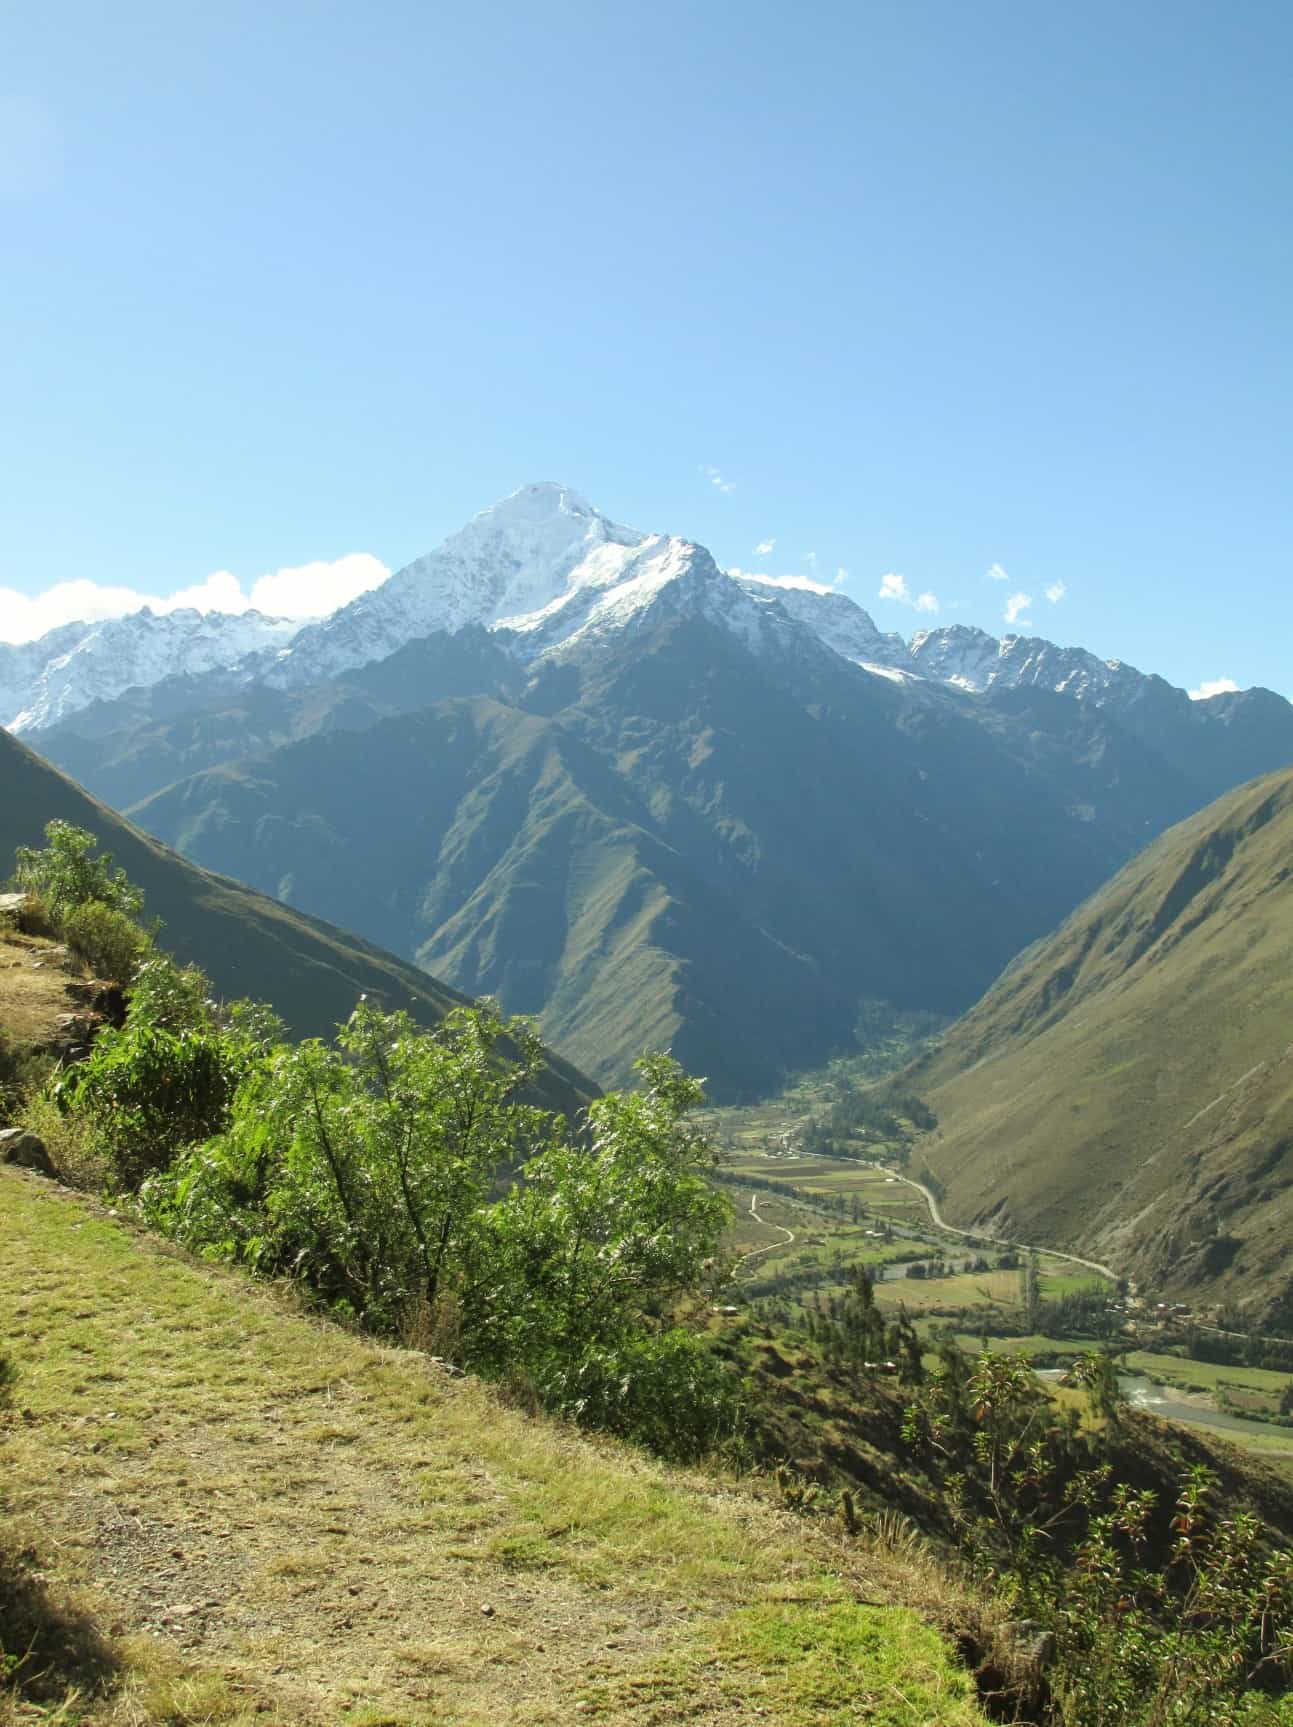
x=936, y=1218
x=754, y=1252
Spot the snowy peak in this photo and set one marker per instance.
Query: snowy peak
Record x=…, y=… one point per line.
x=512, y=560
x=616, y=588
x=971, y=659
x=44, y=681
x=836, y=620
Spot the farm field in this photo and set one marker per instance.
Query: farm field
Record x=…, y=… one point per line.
x=816, y=1218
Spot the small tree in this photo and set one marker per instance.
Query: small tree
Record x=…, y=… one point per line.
x=67, y=874
x=168, y=1077
x=363, y=1167
x=594, y=1250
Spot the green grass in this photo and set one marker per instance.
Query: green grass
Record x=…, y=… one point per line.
x=253, y=1515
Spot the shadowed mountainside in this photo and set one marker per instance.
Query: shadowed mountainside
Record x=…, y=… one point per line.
x=250, y=945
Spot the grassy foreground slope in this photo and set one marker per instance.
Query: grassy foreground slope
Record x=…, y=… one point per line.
x=1127, y=1086
x=240, y=1514
x=249, y=944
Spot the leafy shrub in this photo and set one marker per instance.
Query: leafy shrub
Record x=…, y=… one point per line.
x=667, y=1391
x=176, y=997
x=168, y=1077
x=164, y=1080
x=112, y=944
x=368, y=1170
x=1177, y=1614
x=363, y=1167
x=66, y=874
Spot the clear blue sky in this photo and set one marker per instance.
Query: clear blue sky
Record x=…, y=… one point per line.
x=930, y=287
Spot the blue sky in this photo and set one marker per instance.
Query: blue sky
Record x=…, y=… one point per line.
x=910, y=290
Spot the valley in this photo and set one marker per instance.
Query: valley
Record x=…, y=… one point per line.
x=812, y=1220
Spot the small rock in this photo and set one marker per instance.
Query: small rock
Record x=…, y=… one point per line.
x=27, y=1150
x=488, y=1611
x=1029, y=1642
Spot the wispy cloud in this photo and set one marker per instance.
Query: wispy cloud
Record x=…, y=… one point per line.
x=718, y=481
x=1016, y=606
x=997, y=574
x=765, y=548
x=1056, y=592
x=841, y=576
x=1214, y=687
x=894, y=587
x=299, y=591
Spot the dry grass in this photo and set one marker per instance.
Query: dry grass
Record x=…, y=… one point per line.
x=256, y=1516
x=33, y=986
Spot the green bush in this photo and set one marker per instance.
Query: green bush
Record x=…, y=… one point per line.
x=66, y=874
x=371, y=1170
x=111, y=944
x=1179, y=1613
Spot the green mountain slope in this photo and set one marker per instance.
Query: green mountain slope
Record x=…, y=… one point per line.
x=127, y=749
x=250, y=945
x=1126, y=1087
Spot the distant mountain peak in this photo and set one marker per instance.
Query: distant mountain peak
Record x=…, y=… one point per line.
x=515, y=559
x=43, y=681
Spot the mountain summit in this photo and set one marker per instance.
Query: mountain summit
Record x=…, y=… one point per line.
x=512, y=560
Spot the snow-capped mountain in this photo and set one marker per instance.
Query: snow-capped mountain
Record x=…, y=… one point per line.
x=41, y=682
x=510, y=562
x=836, y=620
x=545, y=571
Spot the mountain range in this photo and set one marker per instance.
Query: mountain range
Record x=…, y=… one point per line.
x=654, y=802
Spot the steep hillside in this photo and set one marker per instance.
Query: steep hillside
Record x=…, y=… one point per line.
x=252, y=946
x=216, y=1510
x=1127, y=1085
x=126, y=749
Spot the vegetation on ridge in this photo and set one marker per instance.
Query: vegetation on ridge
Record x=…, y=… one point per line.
x=395, y=1179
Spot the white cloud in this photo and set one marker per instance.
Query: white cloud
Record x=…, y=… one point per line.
x=805, y=584
x=1214, y=687
x=841, y=576
x=303, y=591
x=810, y=558
x=997, y=574
x=1016, y=606
x=716, y=479
x=1056, y=592
x=765, y=548
x=894, y=587
x=313, y=590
